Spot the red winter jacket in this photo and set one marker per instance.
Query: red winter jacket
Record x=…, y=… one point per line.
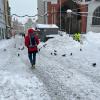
x=27, y=43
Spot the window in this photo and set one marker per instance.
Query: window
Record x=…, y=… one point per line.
x=96, y=17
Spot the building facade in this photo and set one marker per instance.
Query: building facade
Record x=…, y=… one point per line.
x=52, y=12
x=93, y=19
x=84, y=17
x=17, y=26
x=44, y=6
x=7, y=16
x=2, y=20
x=71, y=23
x=5, y=19
x=41, y=11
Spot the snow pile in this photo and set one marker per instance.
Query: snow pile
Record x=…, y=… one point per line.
x=46, y=26
x=5, y=43
x=73, y=68
x=93, y=38
x=61, y=43
x=14, y=87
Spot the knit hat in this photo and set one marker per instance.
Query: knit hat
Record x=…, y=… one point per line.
x=31, y=30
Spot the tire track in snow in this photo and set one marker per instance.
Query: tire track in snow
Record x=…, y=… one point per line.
x=52, y=75
x=56, y=88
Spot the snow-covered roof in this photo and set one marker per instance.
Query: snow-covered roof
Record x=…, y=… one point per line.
x=53, y=35
x=46, y=26
x=69, y=11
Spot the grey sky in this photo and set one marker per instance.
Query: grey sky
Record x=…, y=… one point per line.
x=23, y=7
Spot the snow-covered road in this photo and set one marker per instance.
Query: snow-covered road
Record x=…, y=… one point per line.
x=59, y=75
x=70, y=77
x=17, y=81
x=65, y=82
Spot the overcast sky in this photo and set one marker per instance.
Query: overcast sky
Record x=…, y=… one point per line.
x=23, y=7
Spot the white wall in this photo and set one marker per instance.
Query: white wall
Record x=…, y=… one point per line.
x=91, y=8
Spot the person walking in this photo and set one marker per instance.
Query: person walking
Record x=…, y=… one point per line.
x=31, y=42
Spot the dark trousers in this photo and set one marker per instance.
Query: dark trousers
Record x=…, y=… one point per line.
x=32, y=57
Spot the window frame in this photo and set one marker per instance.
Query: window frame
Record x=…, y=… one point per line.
x=96, y=17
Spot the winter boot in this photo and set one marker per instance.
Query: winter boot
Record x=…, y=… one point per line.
x=33, y=66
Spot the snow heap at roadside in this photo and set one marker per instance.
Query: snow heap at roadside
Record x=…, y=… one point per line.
x=84, y=81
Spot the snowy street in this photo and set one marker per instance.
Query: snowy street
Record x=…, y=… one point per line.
x=64, y=69
x=50, y=50
x=17, y=81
